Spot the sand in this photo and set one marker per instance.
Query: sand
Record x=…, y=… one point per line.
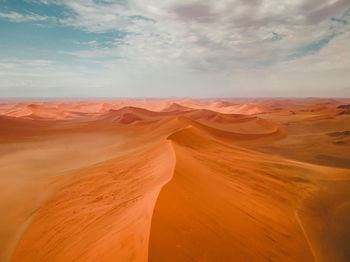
x=175, y=180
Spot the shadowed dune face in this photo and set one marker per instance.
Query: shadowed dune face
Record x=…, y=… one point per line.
x=324, y=215
x=236, y=207
x=175, y=180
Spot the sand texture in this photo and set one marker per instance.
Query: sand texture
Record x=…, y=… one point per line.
x=175, y=180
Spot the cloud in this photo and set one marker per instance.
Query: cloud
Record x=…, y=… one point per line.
x=194, y=12
x=18, y=18
x=213, y=35
x=92, y=42
x=37, y=78
x=227, y=44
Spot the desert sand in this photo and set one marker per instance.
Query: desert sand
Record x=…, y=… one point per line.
x=175, y=180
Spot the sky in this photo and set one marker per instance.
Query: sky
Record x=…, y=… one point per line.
x=174, y=48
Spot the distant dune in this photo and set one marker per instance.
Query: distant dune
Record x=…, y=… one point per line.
x=175, y=180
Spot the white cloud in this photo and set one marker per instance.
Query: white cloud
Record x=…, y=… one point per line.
x=32, y=77
x=214, y=47
x=209, y=36
x=17, y=17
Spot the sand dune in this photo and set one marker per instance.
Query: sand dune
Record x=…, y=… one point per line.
x=227, y=204
x=241, y=201
x=176, y=107
x=175, y=180
x=108, y=222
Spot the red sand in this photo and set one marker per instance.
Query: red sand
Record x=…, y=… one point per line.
x=175, y=180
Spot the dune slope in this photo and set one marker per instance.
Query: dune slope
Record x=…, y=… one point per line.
x=226, y=203
x=104, y=214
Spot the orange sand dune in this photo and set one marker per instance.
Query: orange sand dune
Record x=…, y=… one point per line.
x=241, y=206
x=175, y=180
x=103, y=214
x=175, y=107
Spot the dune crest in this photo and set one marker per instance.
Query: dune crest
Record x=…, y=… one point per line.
x=182, y=180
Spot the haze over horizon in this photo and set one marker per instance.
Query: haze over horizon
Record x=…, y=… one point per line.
x=130, y=48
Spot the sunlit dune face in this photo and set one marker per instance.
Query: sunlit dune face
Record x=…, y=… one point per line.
x=175, y=180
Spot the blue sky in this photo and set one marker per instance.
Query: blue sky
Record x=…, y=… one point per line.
x=134, y=48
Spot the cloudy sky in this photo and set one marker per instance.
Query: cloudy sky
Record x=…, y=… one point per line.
x=162, y=48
